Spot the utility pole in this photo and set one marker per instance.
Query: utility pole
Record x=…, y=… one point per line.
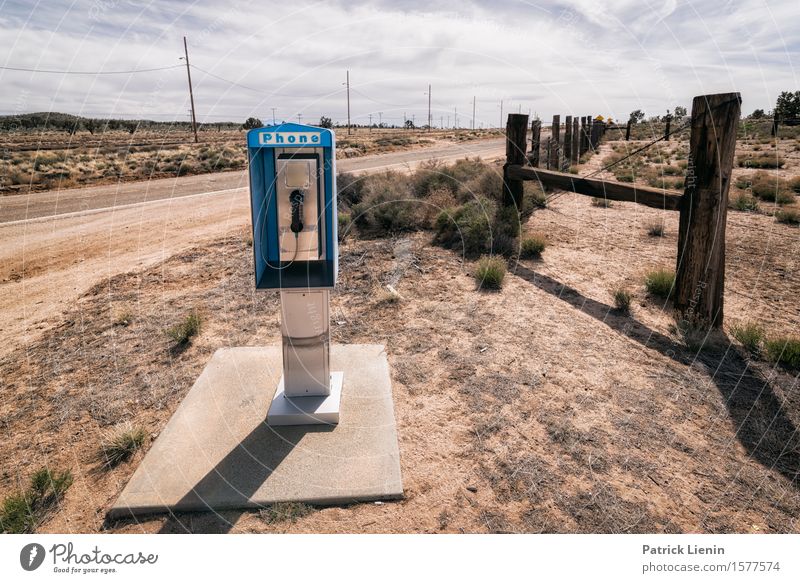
x=501, y=114
x=370, y=122
x=273, y=116
x=429, y=107
x=455, y=118
x=348, y=102
x=441, y=121
x=300, y=118
x=520, y=108
x=473, y=113
x=380, y=119
x=191, y=94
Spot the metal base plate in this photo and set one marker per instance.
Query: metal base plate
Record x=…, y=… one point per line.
x=319, y=410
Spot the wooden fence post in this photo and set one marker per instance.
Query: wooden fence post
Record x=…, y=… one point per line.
x=575, y=141
x=700, y=272
x=547, y=154
x=666, y=128
x=584, y=133
x=628, y=132
x=567, y=150
x=536, y=138
x=594, y=139
x=516, y=145
x=555, y=133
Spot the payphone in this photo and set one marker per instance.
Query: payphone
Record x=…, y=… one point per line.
x=293, y=203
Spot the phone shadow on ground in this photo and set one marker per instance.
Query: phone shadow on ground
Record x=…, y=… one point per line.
x=763, y=427
x=234, y=480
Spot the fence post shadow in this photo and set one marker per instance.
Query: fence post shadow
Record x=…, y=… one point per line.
x=762, y=425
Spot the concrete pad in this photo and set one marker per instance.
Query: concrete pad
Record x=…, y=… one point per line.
x=315, y=410
x=217, y=451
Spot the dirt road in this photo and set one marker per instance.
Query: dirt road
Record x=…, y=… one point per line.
x=55, y=245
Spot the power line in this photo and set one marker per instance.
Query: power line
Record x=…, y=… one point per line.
x=262, y=91
x=131, y=71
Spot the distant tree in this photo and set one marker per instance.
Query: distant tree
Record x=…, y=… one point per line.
x=788, y=105
x=252, y=123
x=131, y=126
x=637, y=115
x=757, y=114
x=325, y=122
x=91, y=125
x=680, y=111
x=409, y=125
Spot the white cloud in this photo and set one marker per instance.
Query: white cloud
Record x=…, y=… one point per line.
x=574, y=56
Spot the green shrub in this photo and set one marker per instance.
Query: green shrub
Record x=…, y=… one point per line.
x=532, y=246
x=344, y=225
x=490, y=272
x=784, y=351
x=387, y=206
x=659, y=282
x=622, y=300
x=744, y=202
x=668, y=170
x=788, y=217
x=750, y=334
x=350, y=188
x=696, y=334
x=185, y=330
x=655, y=229
x=468, y=225
x=534, y=195
x=764, y=160
x=121, y=445
x=285, y=512
x=767, y=187
x=22, y=512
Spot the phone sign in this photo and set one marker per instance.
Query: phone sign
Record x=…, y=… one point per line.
x=288, y=138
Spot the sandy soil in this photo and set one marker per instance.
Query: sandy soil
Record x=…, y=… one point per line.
x=535, y=409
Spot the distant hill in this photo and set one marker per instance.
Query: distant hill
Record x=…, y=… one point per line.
x=74, y=123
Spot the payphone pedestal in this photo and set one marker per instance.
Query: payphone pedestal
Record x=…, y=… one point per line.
x=308, y=392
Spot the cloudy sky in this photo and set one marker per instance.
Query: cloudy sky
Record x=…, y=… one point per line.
x=567, y=57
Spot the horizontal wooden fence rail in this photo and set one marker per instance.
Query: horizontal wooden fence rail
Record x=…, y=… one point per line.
x=622, y=191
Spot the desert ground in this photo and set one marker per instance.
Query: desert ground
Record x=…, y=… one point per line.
x=536, y=408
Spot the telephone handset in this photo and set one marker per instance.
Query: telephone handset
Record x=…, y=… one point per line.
x=296, y=199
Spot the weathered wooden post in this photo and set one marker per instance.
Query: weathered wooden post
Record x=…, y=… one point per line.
x=516, y=145
x=589, y=131
x=536, y=138
x=666, y=128
x=774, y=130
x=594, y=140
x=700, y=272
x=555, y=133
x=565, y=160
x=548, y=156
x=584, y=133
x=575, y=141
x=628, y=131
